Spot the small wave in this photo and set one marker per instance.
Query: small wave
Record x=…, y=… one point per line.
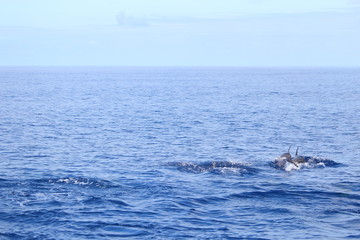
x=118, y=202
x=123, y=231
x=342, y=211
x=309, y=162
x=218, y=167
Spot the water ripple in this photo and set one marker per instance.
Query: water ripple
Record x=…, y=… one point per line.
x=178, y=153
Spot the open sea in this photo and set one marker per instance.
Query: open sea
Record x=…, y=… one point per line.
x=179, y=153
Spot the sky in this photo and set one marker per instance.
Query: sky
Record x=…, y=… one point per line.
x=259, y=33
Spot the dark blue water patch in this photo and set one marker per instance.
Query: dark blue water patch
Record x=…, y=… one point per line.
x=118, y=202
x=41, y=216
x=217, y=167
x=4, y=183
x=353, y=237
x=93, y=200
x=102, y=200
x=105, y=229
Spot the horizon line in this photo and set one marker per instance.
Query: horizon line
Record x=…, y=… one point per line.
x=186, y=66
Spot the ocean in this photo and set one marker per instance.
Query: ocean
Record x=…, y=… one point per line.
x=179, y=153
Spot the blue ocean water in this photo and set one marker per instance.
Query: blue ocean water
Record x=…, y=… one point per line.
x=178, y=153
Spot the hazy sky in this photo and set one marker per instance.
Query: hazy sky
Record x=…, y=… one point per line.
x=180, y=32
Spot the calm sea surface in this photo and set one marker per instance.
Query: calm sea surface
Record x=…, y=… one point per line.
x=178, y=153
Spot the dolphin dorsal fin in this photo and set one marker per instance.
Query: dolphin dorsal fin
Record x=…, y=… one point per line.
x=297, y=151
x=289, y=149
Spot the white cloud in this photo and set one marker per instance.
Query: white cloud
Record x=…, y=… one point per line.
x=131, y=21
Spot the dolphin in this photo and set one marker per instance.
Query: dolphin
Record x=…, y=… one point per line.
x=286, y=156
x=297, y=158
x=300, y=161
